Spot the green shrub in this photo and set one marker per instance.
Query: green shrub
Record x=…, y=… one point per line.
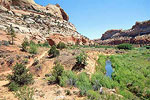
x=53, y=52
x=20, y=76
x=32, y=43
x=56, y=74
x=81, y=59
x=99, y=79
x=45, y=44
x=83, y=83
x=61, y=45
x=33, y=49
x=125, y=46
x=25, y=93
x=24, y=45
x=101, y=64
x=147, y=47
x=13, y=86
x=68, y=78
x=93, y=95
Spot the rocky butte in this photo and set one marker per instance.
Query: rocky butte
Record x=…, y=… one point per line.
x=38, y=23
x=138, y=34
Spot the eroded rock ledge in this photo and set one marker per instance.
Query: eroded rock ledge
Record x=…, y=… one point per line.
x=138, y=34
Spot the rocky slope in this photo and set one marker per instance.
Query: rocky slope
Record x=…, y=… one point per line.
x=138, y=34
x=35, y=21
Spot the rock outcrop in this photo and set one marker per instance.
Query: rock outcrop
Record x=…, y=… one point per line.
x=138, y=34
x=38, y=22
x=56, y=38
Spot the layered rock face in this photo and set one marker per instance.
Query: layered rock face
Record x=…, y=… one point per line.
x=56, y=38
x=138, y=34
x=35, y=21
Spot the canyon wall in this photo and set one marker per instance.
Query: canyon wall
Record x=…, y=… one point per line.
x=37, y=22
x=138, y=34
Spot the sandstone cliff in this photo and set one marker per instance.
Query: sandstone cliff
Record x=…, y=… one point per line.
x=138, y=34
x=35, y=21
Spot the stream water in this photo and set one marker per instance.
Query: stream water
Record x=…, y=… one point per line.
x=109, y=69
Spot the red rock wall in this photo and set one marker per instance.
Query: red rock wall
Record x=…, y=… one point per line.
x=54, y=39
x=138, y=34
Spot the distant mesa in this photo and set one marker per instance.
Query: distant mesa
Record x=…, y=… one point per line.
x=138, y=34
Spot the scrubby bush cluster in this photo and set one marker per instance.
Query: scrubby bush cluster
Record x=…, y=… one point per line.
x=68, y=78
x=132, y=72
x=125, y=46
x=19, y=78
x=53, y=52
x=25, y=93
x=56, y=74
x=147, y=47
x=81, y=61
x=81, y=81
x=31, y=46
x=61, y=45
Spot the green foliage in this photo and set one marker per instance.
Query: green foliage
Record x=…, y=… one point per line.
x=89, y=46
x=45, y=44
x=61, y=45
x=57, y=73
x=81, y=59
x=68, y=78
x=13, y=86
x=125, y=46
x=20, y=76
x=25, y=44
x=33, y=48
x=147, y=47
x=25, y=93
x=101, y=63
x=99, y=79
x=93, y=95
x=132, y=73
x=83, y=83
x=53, y=52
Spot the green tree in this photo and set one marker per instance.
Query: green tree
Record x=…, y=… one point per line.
x=56, y=74
x=61, y=45
x=81, y=59
x=53, y=52
x=20, y=76
x=83, y=83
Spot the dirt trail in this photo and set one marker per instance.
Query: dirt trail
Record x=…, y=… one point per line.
x=28, y=65
x=38, y=58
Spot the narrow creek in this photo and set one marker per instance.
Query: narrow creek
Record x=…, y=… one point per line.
x=109, y=69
